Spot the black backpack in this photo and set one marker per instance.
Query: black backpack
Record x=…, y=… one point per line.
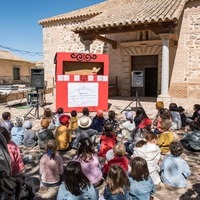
x=24, y=190
x=18, y=187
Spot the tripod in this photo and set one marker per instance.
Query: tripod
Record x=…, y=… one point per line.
x=137, y=101
x=35, y=107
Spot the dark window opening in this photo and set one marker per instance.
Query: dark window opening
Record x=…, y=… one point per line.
x=16, y=73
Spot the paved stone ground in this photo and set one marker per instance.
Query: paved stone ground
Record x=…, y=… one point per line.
x=118, y=104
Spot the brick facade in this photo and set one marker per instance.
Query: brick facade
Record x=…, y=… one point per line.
x=186, y=68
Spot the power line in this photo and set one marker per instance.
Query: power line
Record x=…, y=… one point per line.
x=22, y=51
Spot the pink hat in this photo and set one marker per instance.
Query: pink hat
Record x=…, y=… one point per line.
x=100, y=113
x=145, y=122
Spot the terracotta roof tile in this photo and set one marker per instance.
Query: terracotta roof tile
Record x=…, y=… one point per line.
x=6, y=55
x=113, y=13
x=131, y=12
x=88, y=11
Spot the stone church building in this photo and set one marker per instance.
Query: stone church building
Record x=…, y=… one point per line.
x=153, y=45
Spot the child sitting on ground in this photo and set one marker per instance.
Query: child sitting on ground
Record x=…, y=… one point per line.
x=44, y=133
x=76, y=185
x=107, y=139
x=175, y=170
x=117, y=184
x=156, y=126
x=139, y=116
x=138, y=134
x=17, y=162
x=6, y=121
x=84, y=130
x=18, y=131
x=86, y=112
x=74, y=120
x=51, y=165
x=176, y=117
x=119, y=158
x=165, y=138
x=59, y=112
x=196, y=109
x=48, y=115
x=63, y=134
x=191, y=139
x=141, y=184
x=111, y=119
x=89, y=162
x=150, y=151
x=181, y=111
x=159, y=106
x=30, y=137
x=128, y=126
x=98, y=121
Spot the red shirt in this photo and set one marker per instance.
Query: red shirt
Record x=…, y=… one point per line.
x=122, y=161
x=107, y=143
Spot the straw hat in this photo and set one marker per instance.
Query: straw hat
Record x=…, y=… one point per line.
x=84, y=122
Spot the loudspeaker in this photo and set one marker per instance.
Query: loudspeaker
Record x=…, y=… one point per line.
x=37, y=78
x=137, y=78
x=32, y=98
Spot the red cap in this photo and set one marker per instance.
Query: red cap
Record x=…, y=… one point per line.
x=145, y=122
x=64, y=119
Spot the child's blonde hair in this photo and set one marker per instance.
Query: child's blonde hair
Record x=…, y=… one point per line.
x=119, y=149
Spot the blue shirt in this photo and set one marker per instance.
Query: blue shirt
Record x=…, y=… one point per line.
x=141, y=190
x=109, y=196
x=88, y=193
x=17, y=134
x=98, y=123
x=193, y=138
x=174, y=171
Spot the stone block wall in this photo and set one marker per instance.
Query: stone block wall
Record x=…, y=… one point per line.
x=184, y=58
x=186, y=68
x=60, y=38
x=120, y=58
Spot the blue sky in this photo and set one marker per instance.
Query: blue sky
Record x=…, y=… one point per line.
x=19, y=22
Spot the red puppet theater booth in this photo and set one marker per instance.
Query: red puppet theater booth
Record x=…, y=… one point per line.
x=81, y=81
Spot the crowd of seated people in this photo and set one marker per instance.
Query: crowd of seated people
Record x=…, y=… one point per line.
x=129, y=158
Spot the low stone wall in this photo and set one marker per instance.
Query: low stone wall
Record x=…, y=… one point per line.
x=4, y=98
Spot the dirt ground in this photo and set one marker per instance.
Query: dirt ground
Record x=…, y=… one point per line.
x=118, y=104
